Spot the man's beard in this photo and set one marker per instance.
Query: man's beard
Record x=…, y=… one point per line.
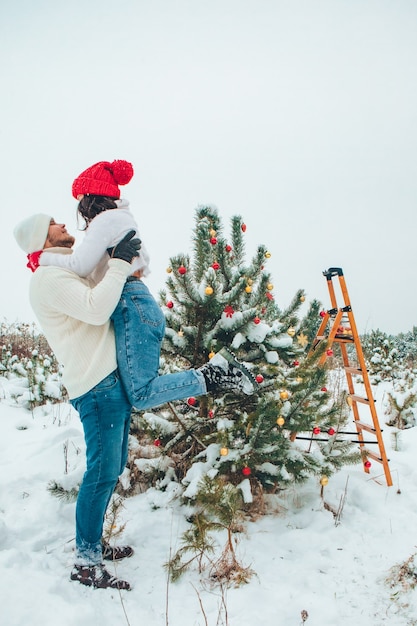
x=63, y=241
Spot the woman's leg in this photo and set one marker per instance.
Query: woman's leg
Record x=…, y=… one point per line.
x=139, y=326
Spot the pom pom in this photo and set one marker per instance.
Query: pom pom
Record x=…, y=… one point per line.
x=122, y=171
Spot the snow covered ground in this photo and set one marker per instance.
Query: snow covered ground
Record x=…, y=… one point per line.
x=308, y=569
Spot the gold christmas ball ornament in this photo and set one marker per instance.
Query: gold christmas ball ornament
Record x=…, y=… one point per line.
x=280, y=421
x=248, y=289
x=209, y=291
x=268, y=255
x=224, y=451
x=270, y=286
x=211, y=355
x=169, y=270
x=283, y=394
x=302, y=298
x=291, y=331
x=324, y=481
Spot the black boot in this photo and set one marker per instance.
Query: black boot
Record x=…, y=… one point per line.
x=224, y=371
x=97, y=576
x=116, y=553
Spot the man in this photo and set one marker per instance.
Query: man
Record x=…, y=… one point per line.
x=74, y=314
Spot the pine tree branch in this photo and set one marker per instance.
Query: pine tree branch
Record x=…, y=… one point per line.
x=186, y=430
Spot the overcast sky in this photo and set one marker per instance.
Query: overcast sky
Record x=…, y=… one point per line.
x=299, y=115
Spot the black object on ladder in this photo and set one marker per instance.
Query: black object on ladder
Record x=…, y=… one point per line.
x=338, y=326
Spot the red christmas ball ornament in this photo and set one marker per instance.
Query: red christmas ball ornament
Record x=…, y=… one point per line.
x=157, y=442
x=259, y=378
x=322, y=313
x=324, y=389
x=182, y=270
x=331, y=431
x=329, y=352
x=243, y=227
x=246, y=471
x=216, y=266
x=213, y=241
x=211, y=413
x=367, y=464
x=296, y=363
x=256, y=320
x=170, y=304
x=228, y=248
x=191, y=401
x=316, y=430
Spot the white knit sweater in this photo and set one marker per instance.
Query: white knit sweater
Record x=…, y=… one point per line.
x=90, y=258
x=74, y=316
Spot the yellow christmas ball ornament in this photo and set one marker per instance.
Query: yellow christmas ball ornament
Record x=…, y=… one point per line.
x=280, y=421
x=209, y=291
x=211, y=355
x=268, y=255
x=224, y=451
x=248, y=289
x=270, y=286
x=169, y=270
x=291, y=331
x=324, y=481
x=302, y=298
x=283, y=394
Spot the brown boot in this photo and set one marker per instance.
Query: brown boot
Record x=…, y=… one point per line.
x=97, y=576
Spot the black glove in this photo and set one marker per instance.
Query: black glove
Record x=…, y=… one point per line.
x=127, y=248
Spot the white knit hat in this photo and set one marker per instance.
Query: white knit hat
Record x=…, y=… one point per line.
x=32, y=232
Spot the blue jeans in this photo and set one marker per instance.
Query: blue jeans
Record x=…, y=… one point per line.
x=105, y=415
x=139, y=326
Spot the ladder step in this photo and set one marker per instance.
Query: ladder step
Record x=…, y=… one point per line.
x=356, y=398
x=363, y=426
x=354, y=370
x=374, y=456
x=343, y=339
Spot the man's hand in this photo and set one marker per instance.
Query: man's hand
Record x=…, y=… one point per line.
x=127, y=249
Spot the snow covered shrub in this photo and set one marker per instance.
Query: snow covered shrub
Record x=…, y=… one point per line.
x=401, y=401
x=381, y=354
x=406, y=344
x=32, y=371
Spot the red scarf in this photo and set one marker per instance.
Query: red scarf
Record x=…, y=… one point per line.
x=33, y=260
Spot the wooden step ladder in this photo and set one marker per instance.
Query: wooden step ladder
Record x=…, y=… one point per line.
x=338, y=326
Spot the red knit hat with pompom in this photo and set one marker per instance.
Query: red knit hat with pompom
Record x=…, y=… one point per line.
x=103, y=179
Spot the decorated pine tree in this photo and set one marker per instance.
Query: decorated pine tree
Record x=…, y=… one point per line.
x=287, y=430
